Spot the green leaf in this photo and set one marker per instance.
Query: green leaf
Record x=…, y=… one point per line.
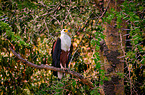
x=21, y=40
x=101, y=82
x=112, y=10
x=97, y=47
x=74, y=83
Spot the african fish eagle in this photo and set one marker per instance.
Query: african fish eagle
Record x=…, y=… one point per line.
x=61, y=52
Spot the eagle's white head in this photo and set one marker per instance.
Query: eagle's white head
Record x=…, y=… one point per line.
x=65, y=31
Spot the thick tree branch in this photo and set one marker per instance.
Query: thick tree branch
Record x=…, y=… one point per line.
x=64, y=70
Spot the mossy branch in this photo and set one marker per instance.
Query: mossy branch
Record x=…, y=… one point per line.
x=64, y=70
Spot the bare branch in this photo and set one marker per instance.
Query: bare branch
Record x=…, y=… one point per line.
x=64, y=70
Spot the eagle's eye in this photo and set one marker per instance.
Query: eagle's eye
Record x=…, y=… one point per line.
x=65, y=30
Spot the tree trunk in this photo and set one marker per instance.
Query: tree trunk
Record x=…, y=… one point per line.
x=111, y=54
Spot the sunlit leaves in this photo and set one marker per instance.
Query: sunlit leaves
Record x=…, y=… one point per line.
x=96, y=43
x=32, y=29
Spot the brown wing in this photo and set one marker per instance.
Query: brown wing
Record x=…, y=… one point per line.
x=64, y=58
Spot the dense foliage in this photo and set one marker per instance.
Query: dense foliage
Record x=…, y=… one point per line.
x=32, y=26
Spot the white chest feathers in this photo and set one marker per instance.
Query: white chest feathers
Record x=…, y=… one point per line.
x=65, y=42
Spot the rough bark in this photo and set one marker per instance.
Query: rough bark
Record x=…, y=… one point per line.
x=111, y=55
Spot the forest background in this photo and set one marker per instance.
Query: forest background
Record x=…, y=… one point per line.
x=108, y=46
